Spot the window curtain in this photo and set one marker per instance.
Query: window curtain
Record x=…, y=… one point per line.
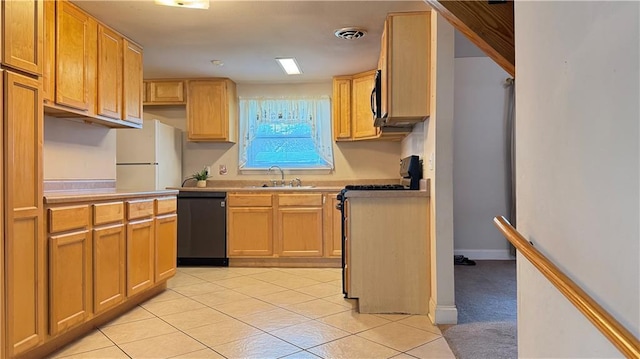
x=315, y=111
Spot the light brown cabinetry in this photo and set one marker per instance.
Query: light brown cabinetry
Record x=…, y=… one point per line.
x=70, y=263
x=24, y=248
x=212, y=110
x=405, y=64
x=22, y=34
x=109, y=248
x=75, y=45
x=289, y=225
x=166, y=229
x=164, y=92
x=249, y=225
x=332, y=227
x=342, y=108
x=132, y=87
x=103, y=254
x=90, y=70
x=352, y=116
x=299, y=225
x=109, y=73
x=140, y=246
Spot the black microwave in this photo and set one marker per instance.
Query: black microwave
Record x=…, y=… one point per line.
x=376, y=101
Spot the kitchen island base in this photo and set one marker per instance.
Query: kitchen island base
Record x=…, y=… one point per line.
x=387, y=252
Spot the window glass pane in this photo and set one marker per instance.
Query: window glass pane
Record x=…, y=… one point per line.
x=290, y=133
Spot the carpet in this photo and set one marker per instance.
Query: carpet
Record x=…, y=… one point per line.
x=490, y=340
x=486, y=302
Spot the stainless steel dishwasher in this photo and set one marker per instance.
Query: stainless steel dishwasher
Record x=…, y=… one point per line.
x=202, y=228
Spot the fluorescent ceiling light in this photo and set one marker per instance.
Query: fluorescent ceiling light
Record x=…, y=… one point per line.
x=289, y=65
x=193, y=4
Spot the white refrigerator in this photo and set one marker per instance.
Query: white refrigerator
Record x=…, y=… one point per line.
x=149, y=158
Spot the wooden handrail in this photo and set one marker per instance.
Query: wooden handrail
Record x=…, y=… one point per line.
x=617, y=334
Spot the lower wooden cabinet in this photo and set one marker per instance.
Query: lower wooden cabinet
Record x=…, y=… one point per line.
x=140, y=256
x=283, y=224
x=69, y=280
x=299, y=225
x=109, y=275
x=166, y=251
x=333, y=227
x=100, y=255
x=249, y=231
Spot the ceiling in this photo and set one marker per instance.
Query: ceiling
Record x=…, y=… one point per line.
x=248, y=35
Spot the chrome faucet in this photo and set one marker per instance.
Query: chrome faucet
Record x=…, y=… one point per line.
x=281, y=175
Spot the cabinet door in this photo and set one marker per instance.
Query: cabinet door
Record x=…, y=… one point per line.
x=300, y=231
x=49, y=52
x=342, y=108
x=250, y=231
x=361, y=115
x=108, y=267
x=109, y=73
x=207, y=110
x=333, y=230
x=166, y=246
x=75, y=35
x=132, y=84
x=69, y=280
x=23, y=33
x=165, y=92
x=23, y=231
x=140, y=256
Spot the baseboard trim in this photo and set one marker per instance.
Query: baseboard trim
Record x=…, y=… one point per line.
x=442, y=314
x=485, y=254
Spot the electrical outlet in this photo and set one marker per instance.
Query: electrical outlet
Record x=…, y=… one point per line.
x=432, y=161
x=208, y=168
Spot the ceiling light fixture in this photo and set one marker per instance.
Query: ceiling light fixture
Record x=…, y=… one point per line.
x=192, y=4
x=217, y=62
x=289, y=65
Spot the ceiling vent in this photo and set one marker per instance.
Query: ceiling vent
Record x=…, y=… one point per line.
x=350, y=33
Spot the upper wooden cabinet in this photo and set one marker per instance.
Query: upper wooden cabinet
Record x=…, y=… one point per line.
x=164, y=92
x=341, y=109
x=22, y=35
x=352, y=116
x=75, y=44
x=132, y=90
x=90, y=70
x=109, y=73
x=404, y=63
x=212, y=110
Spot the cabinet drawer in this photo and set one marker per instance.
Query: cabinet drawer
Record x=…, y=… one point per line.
x=67, y=218
x=108, y=212
x=249, y=200
x=166, y=205
x=302, y=199
x=140, y=209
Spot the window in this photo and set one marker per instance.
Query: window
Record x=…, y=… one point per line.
x=293, y=133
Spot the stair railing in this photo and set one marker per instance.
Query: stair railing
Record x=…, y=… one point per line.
x=617, y=334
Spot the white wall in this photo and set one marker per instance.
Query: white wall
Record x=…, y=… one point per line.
x=479, y=158
x=73, y=149
x=578, y=168
x=436, y=137
x=353, y=160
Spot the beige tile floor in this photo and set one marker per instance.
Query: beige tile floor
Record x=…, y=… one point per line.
x=258, y=313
